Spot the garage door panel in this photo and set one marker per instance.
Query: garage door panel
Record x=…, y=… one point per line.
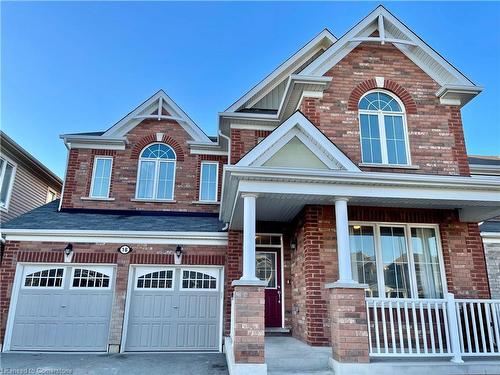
x=189, y=317
x=59, y=316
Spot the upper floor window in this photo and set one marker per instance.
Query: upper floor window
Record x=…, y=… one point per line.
x=101, y=177
x=156, y=173
x=7, y=171
x=208, y=181
x=384, y=139
x=51, y=195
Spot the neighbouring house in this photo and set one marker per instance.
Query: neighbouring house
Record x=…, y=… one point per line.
x=336, y=202
x=25, y=183
x=490, y=229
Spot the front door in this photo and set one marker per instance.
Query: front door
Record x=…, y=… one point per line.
x=268, y=268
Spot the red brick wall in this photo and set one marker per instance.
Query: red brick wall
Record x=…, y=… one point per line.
x=233, y=269
x=313, y=264
x=243, y=140
x=125, y=166
x=51, y=252
x=435, y=131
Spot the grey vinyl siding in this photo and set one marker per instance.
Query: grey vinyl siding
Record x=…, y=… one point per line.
x=28, y=192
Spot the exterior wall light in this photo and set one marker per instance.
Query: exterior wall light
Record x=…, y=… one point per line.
x=178, y=254
x=68, y=253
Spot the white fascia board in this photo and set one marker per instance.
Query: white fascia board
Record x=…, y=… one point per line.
x=297, y=120
x=95, y=142
x=127, y=123
x=369, y=24
x=324, y=35
x=491, y=237
x=132, y=237
x=208, y=152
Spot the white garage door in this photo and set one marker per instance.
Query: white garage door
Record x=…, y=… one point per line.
x=174, y=309
x=63, y=308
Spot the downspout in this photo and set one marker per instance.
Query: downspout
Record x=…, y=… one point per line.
x=68, y=146
x=228, y=147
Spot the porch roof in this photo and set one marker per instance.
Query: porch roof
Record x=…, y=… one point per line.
x=283, y=192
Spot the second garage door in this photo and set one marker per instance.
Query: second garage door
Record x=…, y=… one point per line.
x=174, y=309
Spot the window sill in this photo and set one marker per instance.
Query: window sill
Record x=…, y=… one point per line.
x=96, y=199
x=153, y=200
x=395, y=166
x=205, y=202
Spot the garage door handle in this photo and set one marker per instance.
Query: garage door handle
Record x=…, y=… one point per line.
x=63, y=306
x=175, y=307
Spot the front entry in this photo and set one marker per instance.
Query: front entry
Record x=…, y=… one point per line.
x=268, y=268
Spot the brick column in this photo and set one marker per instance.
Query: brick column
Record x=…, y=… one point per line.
x=349, y=324
x=118, y=310
x=248, y=315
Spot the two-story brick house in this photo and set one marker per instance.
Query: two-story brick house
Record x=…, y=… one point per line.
x=336, y=202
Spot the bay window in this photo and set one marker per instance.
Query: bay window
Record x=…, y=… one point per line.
x=397, y=260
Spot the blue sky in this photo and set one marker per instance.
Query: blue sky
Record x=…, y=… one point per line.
x=75, y=67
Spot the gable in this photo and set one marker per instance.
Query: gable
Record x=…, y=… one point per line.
x=297, y=143
x=295, y=154
x=158, y=107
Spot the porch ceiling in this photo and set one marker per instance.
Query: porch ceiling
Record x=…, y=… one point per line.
x=283, y=193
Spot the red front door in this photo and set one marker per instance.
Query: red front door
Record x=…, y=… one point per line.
x=268, y=268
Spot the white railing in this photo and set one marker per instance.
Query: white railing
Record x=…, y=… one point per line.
x=408, y=327
x=479, y=323
x=433, y=327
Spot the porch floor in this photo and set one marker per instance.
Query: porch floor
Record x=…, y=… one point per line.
x=287, y=355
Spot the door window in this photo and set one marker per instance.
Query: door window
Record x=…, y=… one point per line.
x=265, y=267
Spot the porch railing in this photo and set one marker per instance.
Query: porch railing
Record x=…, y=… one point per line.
x=433, y=327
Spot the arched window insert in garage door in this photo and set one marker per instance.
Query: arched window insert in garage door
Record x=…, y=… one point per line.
x=158, y=279
x=199, y=280
x=88, y=278
x=51, y=278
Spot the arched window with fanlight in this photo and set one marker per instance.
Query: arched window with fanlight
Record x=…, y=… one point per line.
x=384, y=139
x=156, y=177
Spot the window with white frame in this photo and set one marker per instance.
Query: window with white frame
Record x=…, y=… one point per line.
x=85, y=278
x=192, y=279
x=208, y=181
x=7, y=171
x=101, y=177
x=156, y=177
x=382, y=120
x=397, y=260
x=51, y=278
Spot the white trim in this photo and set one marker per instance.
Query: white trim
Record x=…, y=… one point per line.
x=94, y=167
x=324, y=148
x=134, y=118
x=308, y=50
x=119, y=237
x=7, y=160
x=96, y=199
x=253, y=127
x=206, y=162
x=49, y=191
x=369, y=24
x=207, y=152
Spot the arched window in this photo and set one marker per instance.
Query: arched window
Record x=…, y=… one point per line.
x=156, y=176
x=382, y=121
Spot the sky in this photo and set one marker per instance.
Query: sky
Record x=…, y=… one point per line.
x=81, y=66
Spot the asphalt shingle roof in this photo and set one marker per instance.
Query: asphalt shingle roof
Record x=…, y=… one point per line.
x=47, y=217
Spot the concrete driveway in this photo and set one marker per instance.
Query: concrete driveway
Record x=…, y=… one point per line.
x=110, y=364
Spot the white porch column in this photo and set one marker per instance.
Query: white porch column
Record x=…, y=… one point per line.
x=249, y=237
x=344, y=253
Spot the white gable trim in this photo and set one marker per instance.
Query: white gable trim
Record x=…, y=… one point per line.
x=282, y=71
x=299, y=126
x=407, y=44
x=152, y=109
